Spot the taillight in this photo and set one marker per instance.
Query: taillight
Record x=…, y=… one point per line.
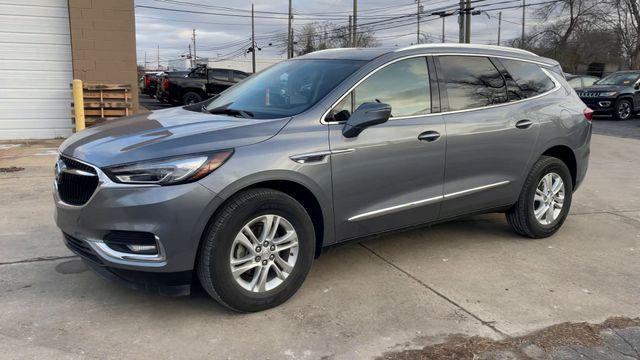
x=165, y=84
x=588, y=114
x=147, y=81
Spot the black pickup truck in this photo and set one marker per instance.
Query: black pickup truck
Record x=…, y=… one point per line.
x=200, y=84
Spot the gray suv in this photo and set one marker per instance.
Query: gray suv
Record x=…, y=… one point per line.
x=243, y=191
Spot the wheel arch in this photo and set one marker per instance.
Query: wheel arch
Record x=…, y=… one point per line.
x=567, y=156
x=292, y=184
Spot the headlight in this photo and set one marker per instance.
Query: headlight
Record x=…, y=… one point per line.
x=169, y=171
x=608, y=94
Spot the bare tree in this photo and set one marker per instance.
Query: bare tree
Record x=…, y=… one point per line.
x=324, y=35
x=628, y=28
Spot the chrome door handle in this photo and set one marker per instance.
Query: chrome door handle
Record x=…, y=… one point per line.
x=429, y=136
x=524, y=124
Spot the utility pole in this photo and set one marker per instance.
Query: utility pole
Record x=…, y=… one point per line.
x=443, y=17
x=499, y=26
x=195, y=55
x=355, y=23
x=253, y=42
x=467, y=25
x=461, y=22
x=145, y=60
x=523, y=12
x=418, y=16
x=289, y=36
x=350, y=39
x=158, y=57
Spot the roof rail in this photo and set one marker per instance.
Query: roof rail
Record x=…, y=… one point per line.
x=468, y=46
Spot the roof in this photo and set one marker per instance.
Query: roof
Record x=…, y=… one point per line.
x=368, y=54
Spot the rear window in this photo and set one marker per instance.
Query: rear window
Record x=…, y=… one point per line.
x=530, y=78
x=472, y=82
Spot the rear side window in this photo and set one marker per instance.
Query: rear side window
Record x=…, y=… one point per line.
x=404, y=85
x=472, y=82
x=219, y=74
x=530, y=78
x=237, y=75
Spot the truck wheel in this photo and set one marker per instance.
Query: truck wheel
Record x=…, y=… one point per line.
x=257, y=250
x=544, y=201
x=191, y=98
x=624, y=110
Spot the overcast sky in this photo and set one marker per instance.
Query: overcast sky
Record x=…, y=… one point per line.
x=219, y=35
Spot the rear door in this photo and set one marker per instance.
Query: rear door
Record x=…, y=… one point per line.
x=219, y=80
x=489, y=140
x=389, y=176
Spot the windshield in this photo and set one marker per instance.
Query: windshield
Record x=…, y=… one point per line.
x=621, y=78
x=285, y=89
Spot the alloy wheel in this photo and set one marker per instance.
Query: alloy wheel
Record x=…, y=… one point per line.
x=624, y=110
x=264, y=253
x=548, y=199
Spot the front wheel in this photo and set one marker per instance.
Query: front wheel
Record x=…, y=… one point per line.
x=191, y=98
x=257, y=250
x=624, y=109
x=544, y=201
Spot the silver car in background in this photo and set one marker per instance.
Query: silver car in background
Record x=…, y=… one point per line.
x=242, y=192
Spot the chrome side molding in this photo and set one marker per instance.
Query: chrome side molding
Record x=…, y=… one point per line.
x=392, y=209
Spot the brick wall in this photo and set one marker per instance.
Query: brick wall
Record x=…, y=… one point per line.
x=103, y=42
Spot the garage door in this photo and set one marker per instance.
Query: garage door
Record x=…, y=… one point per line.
x=35, y=69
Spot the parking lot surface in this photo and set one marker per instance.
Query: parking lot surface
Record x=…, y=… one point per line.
x=403, y=291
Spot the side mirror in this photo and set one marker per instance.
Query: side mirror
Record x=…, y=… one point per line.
x=367, y=114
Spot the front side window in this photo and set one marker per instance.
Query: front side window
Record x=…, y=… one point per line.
x=404, y=85
x=472, y=82
x=530, y=78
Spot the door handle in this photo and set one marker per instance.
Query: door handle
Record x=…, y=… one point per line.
x=524, y=124
x=429, y=136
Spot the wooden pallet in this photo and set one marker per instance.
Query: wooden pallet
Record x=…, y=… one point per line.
x=103, y=102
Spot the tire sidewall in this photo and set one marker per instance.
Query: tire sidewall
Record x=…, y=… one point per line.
x=226, y=286
x=561, y=169
x=192, y=94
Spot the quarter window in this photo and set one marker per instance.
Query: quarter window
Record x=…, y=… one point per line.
x=530, y=78
x=404, y=85
x=472, y=82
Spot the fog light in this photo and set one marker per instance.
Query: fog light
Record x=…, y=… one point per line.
x=604, y=103
x=143, y=249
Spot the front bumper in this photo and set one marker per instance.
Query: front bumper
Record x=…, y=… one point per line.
x=601, y=106
x=176, y=215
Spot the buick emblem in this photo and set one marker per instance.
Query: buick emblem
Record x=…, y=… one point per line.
x=59, y=168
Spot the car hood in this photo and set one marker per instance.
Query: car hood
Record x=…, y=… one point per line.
x=602, y=88
x=165, y=133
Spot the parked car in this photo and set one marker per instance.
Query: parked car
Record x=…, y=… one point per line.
x=200, y=84
x=616, y=95
x=160, y=94
x=581, y=81
x=149, y=83
x=244, y=190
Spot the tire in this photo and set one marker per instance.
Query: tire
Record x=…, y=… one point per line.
x=623, y=110
x=522, y=216
x=191, y=97
x=220, y=245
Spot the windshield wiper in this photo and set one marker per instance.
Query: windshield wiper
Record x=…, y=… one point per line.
x=231, y=112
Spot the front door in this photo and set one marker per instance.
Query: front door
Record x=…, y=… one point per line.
x=389, y=176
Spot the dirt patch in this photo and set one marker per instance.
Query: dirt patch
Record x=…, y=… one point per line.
x=461, y=347
x=11, y=169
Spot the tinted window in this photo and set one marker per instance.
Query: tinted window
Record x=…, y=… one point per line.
x=237, y=75
x=530, y=78
x=287, y=88
x=219, y=74
x=404, y=85
x=472, y=82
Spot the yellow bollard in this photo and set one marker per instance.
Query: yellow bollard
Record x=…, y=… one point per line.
x=78, y=104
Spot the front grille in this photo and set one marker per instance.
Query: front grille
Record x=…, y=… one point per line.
x=81, y=248
x=76, y=181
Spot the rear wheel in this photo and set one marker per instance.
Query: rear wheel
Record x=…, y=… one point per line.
x=624, y=109
x=257, y=251
x=191, y=98
x=544, y=201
